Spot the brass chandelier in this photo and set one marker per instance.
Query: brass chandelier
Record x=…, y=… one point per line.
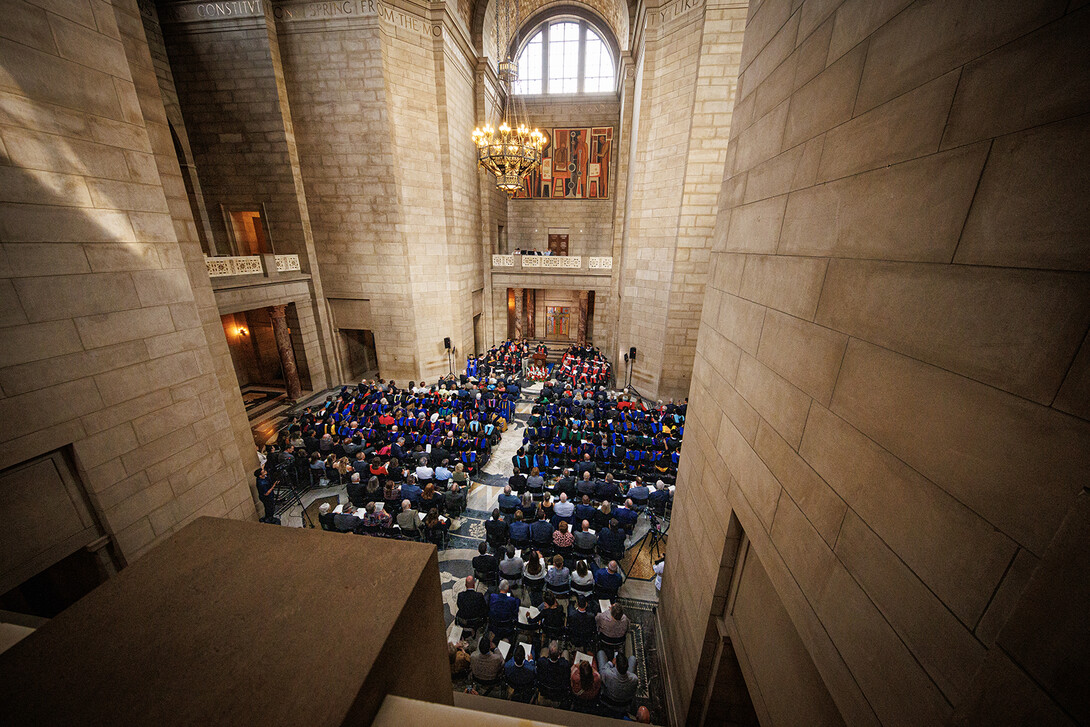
x=512, y=151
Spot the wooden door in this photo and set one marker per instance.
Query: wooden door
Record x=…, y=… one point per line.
x=558, y=244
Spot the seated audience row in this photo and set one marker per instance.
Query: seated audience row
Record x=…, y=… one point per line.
x=596, y=432
x=504, y=360
x=583, y=366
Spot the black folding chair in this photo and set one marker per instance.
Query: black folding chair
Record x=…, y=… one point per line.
x=609, y=644
x=485, y=688
x=504, y=629
x=560, y=695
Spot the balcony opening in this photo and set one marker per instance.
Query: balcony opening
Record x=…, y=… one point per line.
x=54, y=548
x=552, y=316
x=259, y=364
x=248, y=231
x=360, y=351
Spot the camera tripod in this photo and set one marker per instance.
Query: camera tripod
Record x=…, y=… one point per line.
x=655, y=536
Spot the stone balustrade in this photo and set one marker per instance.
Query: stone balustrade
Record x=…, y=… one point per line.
x=557, y=263
x=228, y=265
x=219, y=267
x=287, y=263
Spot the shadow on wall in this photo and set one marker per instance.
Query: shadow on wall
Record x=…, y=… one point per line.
x=101, y=328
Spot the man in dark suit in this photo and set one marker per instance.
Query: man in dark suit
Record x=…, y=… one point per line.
x=541, y=533
x=486, y=566
x=355, y=490
x=581, y=624
x=411, y=491
x=519, y=530
x=585, y=485
x=496, y=531
x=607, y=489
x=584, y=539
x=584, y=510
x=609, y=578
x=554, y=671
x=566, y=485
x=471, y=604
x=517, y=481
x=266, y=486
x=611, y=540
x=438, y=454
x=521, y=674
x=626, y=516
x=585, y=466
x=638, y=493
x=508, y=502
x=503, y=609
x=659, y=496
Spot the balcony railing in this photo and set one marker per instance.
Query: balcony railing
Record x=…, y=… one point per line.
x=224, y=266
x=287, y=263
x=551, y=262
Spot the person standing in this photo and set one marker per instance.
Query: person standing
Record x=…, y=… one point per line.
x=265, y=492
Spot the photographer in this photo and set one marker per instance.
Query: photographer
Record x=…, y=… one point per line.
x=265, y=492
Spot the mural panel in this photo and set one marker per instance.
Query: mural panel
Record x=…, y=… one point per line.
x=557, y=321
x=574, y=165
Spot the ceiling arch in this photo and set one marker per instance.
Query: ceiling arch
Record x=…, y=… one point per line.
x=615, y=13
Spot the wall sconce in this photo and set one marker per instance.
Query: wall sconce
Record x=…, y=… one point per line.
x=241, y=331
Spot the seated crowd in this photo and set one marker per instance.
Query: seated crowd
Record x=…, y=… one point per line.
x=397, y=450
x=596, y=432
x=583, y=366
x=543, y=548
x=502, y=360
x=549, y=675
x=543, y=640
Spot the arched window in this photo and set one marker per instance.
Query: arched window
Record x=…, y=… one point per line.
x=565, y=55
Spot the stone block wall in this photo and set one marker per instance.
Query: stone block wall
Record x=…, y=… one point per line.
x=464, y=263
x=155, y=86
x=681, y=119
x=889, y=393
x=336, y=82
x=104, y=352
x=225, y=71
x=709, y=129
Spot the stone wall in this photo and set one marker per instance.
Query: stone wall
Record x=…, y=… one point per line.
x=155, y=86
x=104, y=352
x=336, y=82
x=683, y=92
x=226, y=79
x=889, y=397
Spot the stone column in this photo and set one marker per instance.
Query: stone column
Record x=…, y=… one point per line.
x=283, y=347
x=584, y=305
x=531, y=306
x=518, y=314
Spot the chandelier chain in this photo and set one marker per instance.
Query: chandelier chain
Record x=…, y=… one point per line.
x=512, y=151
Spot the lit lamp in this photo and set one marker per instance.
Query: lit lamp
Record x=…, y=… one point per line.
x=242, y=331
x=515, y=150
x=509, y=155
